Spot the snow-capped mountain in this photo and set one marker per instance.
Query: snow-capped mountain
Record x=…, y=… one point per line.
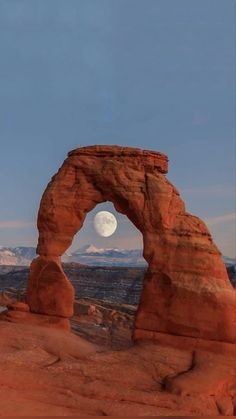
x=86, y=255
x=88, y=249
x=94, y=256
x=21, y=256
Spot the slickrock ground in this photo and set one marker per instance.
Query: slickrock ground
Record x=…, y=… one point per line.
x=48, y=371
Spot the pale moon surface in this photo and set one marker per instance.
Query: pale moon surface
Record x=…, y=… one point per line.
x=105, y=223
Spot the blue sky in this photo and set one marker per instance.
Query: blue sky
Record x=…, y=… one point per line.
x=157, y=74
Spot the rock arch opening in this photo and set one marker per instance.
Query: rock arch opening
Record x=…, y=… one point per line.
x=107, y=275
x=122, y=241
x=185, y=269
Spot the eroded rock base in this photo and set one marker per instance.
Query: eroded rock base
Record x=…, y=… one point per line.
x=20, y=313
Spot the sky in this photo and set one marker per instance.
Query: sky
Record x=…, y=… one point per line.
x=155, y=74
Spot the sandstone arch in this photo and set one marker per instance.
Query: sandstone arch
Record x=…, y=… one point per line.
x=186, y=289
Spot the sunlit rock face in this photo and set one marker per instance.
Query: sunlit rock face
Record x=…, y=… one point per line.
x=186, y=289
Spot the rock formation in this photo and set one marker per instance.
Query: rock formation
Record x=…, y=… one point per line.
x=186, y=289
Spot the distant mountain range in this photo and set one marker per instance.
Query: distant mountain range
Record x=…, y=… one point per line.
x=86, y=255
x=93, y=256
x=21, y=256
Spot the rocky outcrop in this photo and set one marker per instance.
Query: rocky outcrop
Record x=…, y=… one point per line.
x=186, y=289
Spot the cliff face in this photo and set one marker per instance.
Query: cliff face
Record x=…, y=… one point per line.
x=119, y=285
x=185, y=268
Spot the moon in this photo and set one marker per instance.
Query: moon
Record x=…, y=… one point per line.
x=105, y=223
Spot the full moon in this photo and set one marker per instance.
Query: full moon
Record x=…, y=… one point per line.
x=105, y=223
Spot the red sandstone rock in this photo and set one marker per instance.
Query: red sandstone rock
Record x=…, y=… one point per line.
x=225, y=406
x=50, y=372
x=186, y=289
x=18, y=306
x=52, y=293
x=20, y=316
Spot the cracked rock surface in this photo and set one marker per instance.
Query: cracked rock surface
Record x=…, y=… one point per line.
x=51, y=372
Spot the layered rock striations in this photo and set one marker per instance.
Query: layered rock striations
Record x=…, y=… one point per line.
x=186, y=289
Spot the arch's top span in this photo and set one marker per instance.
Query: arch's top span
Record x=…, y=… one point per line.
x=186, y=289
x=149, y=158
x=91, y=175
